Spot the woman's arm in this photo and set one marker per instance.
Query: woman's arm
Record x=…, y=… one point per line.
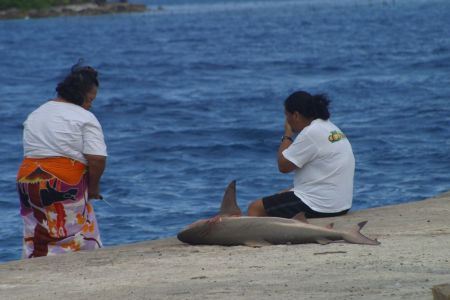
x=96, y=166
x=285, y=165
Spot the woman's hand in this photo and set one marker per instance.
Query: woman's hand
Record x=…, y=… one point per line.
x=288, y=129
x=94, y=194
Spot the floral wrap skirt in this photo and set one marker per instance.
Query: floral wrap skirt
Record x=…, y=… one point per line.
x=57, y=216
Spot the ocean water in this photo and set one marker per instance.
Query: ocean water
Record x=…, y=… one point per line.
x=191, y=98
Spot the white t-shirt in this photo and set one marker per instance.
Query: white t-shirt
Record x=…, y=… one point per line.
x=326, y=166
x=62, y=129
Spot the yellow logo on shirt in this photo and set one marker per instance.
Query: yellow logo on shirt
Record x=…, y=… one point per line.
x=336, y=136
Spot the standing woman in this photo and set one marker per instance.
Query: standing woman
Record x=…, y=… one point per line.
x=64, y=158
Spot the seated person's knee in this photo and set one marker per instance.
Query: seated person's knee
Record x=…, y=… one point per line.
x=256, y=209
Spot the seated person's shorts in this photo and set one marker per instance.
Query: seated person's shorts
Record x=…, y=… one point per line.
x=287, y=205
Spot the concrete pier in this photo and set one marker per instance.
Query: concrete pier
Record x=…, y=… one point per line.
x=414, y=256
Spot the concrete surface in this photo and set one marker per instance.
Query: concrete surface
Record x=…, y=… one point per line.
x=414, y=256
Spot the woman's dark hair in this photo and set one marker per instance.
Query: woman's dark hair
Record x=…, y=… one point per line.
x=77, y=84
x=309, y=106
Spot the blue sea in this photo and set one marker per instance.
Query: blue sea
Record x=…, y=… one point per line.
x=191, y=97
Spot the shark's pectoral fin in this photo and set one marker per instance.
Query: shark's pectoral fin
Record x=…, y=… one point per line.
x=323, y=241
x=257, y=244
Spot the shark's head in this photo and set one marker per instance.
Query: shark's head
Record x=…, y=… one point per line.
x=194, y=232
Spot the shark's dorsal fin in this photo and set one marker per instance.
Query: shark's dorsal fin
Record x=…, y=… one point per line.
x=300, y=217
x=229, y=206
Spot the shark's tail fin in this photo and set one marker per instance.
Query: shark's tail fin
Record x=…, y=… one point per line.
x=355, y=236
x=229, y=205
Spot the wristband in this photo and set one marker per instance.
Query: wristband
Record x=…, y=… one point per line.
x=285, y=137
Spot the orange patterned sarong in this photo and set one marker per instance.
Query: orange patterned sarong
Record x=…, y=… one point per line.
x=57, y=216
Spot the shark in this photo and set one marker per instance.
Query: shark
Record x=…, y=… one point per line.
x=231, y=228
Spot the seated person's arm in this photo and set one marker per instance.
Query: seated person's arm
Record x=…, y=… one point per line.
x=284, y=165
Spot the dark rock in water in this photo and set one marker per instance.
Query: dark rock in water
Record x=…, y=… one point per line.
x=88, y=9
x=12, y=13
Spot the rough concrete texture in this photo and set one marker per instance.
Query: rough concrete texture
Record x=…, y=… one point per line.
x=413, y=257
